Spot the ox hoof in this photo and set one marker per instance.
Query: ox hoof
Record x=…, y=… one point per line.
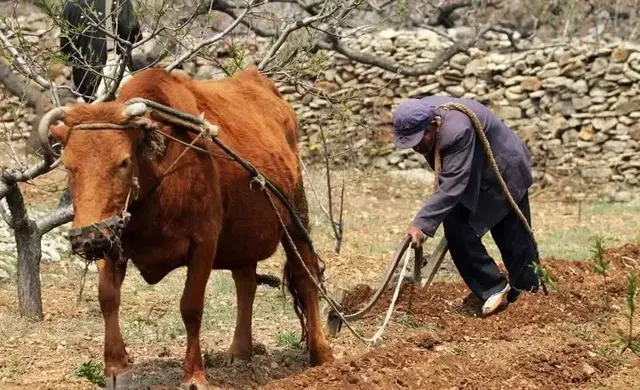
x=195, y=385
x=234, y=360
x=119, y=382
x=321, y=356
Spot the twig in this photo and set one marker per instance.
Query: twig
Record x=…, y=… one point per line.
x=122, y=65
x=335, y=226
x=298, y=24
x=314, y=191
x=22, y=64
x=433, y=66
x=210, y=40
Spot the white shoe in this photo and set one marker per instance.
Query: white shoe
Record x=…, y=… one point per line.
x=494, y=301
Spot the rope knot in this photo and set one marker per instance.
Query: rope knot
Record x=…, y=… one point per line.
x=259, y=180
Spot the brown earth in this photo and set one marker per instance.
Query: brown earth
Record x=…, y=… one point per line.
x=435, y=338
x=564, y=340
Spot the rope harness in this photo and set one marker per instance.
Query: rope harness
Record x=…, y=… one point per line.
x=205, y=130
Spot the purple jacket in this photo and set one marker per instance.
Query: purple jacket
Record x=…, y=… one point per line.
x=466, y=175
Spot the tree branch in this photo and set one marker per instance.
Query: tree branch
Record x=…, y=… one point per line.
x=19, y=87
x=59, y=217
x=5, y=212
x=22, y=64
x=298, y=24
x=210, y=40
x=10, y=177
x=336, y=45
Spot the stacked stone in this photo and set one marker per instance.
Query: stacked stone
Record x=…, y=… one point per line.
x=576, y=104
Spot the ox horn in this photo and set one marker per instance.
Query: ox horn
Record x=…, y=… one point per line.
x=135, y=109
x=47, y=120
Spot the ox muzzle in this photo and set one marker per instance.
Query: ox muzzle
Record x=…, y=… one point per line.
x=100, y=239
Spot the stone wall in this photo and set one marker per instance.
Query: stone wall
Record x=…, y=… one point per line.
x=576, y=104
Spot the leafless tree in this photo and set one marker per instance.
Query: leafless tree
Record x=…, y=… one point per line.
x=292, y=38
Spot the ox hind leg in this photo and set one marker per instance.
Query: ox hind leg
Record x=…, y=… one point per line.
x=305, y=297
x=246, y=283
x=301, y=287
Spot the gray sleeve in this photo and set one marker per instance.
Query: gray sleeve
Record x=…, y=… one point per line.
x=454, y=176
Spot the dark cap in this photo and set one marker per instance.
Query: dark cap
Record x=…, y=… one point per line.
x=410, y=120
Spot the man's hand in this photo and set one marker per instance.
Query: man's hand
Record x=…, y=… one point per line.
x=417, y=236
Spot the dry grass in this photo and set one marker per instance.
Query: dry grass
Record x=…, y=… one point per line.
x=378, y=209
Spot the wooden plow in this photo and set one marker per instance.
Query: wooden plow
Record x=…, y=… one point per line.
x=425, y=267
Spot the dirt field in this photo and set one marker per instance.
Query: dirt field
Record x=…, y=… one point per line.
x=566, y=340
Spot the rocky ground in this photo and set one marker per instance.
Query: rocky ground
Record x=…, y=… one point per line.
x=575, y=101
x=52, y=353
x=565, y=340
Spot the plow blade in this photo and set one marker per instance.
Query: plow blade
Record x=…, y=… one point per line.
x=424, y=270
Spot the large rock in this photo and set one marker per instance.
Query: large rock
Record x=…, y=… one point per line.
x=614, y=146
x=508, y=112
x=619, y=54
x=596, y=172
x=604, y=124
x=531, y=84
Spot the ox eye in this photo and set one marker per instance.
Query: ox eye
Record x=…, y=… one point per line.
x=124, y=164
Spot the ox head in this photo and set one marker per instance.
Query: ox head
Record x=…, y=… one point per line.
x=102, y=145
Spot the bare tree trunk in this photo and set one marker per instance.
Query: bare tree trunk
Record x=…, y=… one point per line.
x=28, y=241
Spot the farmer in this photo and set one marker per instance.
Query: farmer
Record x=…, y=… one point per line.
x=468, y=199
x=92, y=50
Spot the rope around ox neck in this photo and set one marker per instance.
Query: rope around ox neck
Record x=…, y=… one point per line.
x=494, y=165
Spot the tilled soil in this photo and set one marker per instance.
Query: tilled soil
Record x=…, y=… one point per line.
x=564, y=340
x=436, y=340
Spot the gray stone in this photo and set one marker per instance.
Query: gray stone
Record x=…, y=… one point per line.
x=4, y=275
x=580, y=102
x=380, y=163
x=476, y=67
x=394, y=158
x=623, y=196
x=614, y=146
x=569, y=136
x=604, y=124
x=596, y=172
x=557, y=82
x=580, y=87
x=427, y=89
x=601, y=137
x=508, y=112
x=599, y=65
x=456, y=90
x=205, y=72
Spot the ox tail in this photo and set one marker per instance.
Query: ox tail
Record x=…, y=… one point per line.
x=294, y=276
x=298, y=304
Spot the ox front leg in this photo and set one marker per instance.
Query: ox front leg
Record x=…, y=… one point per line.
x=304, y=290
x=245, y=280
x=117, y=366
x=191, y=308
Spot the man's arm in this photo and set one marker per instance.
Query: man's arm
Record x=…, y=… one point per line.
x=457, y=158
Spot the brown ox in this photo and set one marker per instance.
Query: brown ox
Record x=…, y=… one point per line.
x=202, y=213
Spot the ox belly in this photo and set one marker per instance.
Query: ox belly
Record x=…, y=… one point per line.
x=247, y=242
x=156, y=258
